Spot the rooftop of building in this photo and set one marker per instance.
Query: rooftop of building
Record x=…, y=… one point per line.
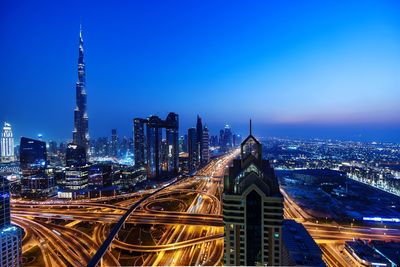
x=361, y=250
x=300, y=245
x=390, y=250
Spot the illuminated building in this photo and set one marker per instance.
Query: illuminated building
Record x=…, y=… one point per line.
x=139, y=141
x=81, y=122
x=76, y=176
x=10, y=235
x=100, y=179
x=75, y=155
x=128, y=177
x=76, y=182
x=7, y=144
x=227, y=145
x=192, y=150
x=199, y=140
x=37, y=180
x=114, y=142
x=184, y=162
x=205, y=146
x=160, y=160
x=252, y=209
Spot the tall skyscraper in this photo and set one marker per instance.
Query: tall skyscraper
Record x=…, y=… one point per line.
x=114, y=142
x=252, y=209
x=7, y=144
x=227, y=138
x=172, y=137
x=81, y=122
x=206, y=149
x=139, y=141
x=160, y=160
x=199, y=139
x=192, y=149
x=10, y=235
x=37, y=180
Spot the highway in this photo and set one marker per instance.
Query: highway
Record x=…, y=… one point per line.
x=179, y=225
x=71, y=232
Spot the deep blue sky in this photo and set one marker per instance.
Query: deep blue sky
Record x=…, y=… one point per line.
x=298, y=68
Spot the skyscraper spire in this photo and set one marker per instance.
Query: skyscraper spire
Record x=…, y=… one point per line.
x=81, y=125
x=251, y=130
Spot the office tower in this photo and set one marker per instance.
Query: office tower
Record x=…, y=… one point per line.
x=192, y=149
x=53, y=147
x=75, y=155
x=100, y=177
x=227, y=138
x=148, y=150
x=222, y=142
x=185, y=142
x=164, y=155
x=153, y=137
x=76, y=176
x=7, y=144
x=199, y=139
x=172, y=136
x=182, y=145
x=205, y=146
x=252, y=209
x=37, y=180
x=139, y=141
x=81, y=124
x=214, y=140
x=10, y=235
x=76, y=182
x=114, y=142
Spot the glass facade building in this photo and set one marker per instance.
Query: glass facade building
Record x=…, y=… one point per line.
x=10, y=235
x=37, y=179
x=75, y=155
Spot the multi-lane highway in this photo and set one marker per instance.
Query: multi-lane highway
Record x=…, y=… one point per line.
x=70, y=232
x=179, y=225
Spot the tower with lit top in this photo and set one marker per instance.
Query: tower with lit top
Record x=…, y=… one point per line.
x=81, y=121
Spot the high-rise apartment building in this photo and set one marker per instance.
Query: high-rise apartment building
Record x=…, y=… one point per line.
x=7, y=144
x=10, y=235
x=81, y=120
x=252, y=209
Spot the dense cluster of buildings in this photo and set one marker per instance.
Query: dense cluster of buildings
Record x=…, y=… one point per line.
x=89, y=168
x=372, y=163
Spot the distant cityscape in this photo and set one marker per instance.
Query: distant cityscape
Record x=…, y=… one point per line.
x=167, y=196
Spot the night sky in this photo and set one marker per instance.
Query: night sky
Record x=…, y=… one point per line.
x=297, y=68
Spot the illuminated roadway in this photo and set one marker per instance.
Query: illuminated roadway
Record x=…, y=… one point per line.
x=187, y=232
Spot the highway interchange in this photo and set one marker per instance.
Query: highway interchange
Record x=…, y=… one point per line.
x=187, y=231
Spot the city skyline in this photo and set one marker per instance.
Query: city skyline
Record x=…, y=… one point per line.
x=242, y=51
